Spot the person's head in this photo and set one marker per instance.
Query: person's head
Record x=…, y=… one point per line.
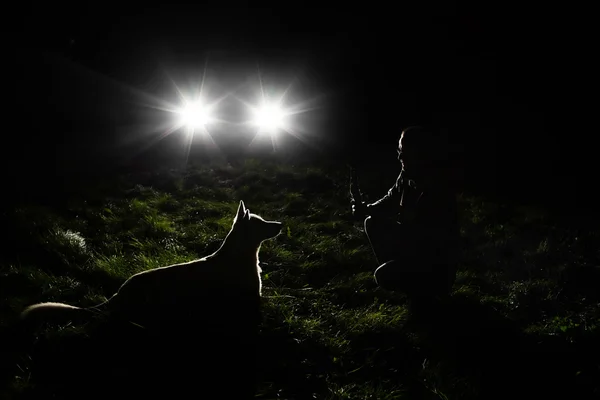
x=421, y=151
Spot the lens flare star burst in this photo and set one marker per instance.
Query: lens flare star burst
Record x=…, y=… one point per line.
x=269, y=117
x=213, y=121
x=195, y=115
x=274, y=115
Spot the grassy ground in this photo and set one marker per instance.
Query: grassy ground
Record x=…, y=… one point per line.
x=524, y=318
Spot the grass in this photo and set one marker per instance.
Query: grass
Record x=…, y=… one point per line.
x=525, y=306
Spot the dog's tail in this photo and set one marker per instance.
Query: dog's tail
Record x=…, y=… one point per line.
x=55, y=312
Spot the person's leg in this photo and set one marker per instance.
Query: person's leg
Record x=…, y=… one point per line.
x=384, y=237
x=399, y=267
x=390, y=276
x=401, y=274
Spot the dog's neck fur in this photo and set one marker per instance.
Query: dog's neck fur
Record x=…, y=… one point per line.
x=248, y=252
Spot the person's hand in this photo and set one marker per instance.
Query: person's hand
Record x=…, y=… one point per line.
x=359, y=210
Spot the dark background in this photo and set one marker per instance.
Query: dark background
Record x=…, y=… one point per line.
x=504, y=81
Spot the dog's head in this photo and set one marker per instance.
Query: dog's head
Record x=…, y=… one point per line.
x=254, y=227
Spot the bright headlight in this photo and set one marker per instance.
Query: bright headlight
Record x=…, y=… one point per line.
x=269, y=117
x=196, y=115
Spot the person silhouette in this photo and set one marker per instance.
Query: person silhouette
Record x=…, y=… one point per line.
x=413, y=229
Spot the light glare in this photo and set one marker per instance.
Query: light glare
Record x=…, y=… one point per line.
x=269, y=117
x=195, y=115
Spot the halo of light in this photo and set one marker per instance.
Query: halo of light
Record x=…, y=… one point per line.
x=196, y=115
x=269, y=117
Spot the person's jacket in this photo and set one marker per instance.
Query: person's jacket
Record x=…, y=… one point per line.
x=430, y=224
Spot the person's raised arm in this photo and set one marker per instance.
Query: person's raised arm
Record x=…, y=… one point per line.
x=388, y=205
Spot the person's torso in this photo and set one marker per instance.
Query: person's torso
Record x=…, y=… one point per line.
x=434, y=208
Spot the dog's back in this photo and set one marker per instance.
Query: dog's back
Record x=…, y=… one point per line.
x=187, y=294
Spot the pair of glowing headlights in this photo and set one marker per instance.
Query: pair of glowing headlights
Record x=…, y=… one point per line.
x=198, y=115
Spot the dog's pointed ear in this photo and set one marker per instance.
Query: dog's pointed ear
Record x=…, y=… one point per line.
x=241, y=211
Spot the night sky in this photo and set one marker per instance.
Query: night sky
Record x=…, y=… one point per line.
x=496, y=78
